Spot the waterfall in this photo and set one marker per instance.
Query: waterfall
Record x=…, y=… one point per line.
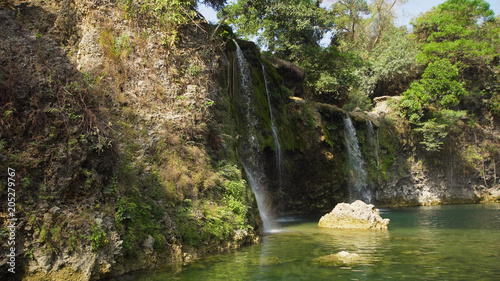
x=263, y=204
x=355, y=163
x=250, y=149
x=246, y=85
x=374, y=140
x=277, y=145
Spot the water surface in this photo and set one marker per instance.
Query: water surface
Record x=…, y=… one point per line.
x=423, y=243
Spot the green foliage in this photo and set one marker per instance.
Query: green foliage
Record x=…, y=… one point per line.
x=135, y=219
x=452, y=30
x=160, y=242
x=164, y=15
x=435, y=130
x=464, y=32
x=286, y=28
x=98, y=237
x=210, y=220
x=391, y=66
x=307, y=117
x=7, y=113
x=291, y=31
x=332, y=74
x=26, y=182
x=229, y=171
x=7, y=4
x=358, y=99
x=389, y=145
x=42, y=238
x=216, y=4
x=434, y=135
x=359, y=26
x=458, y=43
x=29, y=253
x=51, y=238
x=4, y=232
x=233, y=198
x=349, y=23
x=73, y=240
x=116, y=47
x=439, y=87
x=56, y=235
x=495, y=103
x=194, y=69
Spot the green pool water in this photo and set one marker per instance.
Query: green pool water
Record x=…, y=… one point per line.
x=459, y=242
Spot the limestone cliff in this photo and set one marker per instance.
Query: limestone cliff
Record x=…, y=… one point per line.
x=400, y=171
x=463, y=171
x=119, y=129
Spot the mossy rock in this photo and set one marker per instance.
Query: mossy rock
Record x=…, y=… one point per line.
x=251, y=52
x=230, y=46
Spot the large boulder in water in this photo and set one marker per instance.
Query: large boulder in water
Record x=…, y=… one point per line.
x=357, y=215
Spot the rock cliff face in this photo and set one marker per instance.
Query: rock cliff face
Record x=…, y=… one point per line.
x=400, y=172
x=463, y=171
x=121, y=135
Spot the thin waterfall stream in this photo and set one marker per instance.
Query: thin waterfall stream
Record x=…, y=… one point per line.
x=355, y=164
x=249, y=150
x=277, y=145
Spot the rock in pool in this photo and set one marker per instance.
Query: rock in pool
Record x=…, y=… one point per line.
x=357, y=215
x=340, y=259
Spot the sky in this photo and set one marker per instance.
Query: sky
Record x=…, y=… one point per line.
x=413, y=8
x=406, y=12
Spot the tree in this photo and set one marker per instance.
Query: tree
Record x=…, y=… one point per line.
x=287, y=29
x=382, y=19
x=291, y=30
x=333, y=74
x=438, y=88
x=216, y=4
x=458, y=30
x=430, y=103
x=391, y=66
x=459, y=46
x=387, y=54
x=349, y=23
x=360, y=25
x=465, y=32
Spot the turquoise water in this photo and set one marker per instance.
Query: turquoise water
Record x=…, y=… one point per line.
x=423, y=243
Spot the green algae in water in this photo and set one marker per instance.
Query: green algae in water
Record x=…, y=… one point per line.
x=423, y=243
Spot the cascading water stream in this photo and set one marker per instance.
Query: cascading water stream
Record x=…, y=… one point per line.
x=249, y=150
x=246, y=84
x=355, y=163
x=277, y=145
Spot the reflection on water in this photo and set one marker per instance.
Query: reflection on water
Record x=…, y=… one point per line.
x=423, y=243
